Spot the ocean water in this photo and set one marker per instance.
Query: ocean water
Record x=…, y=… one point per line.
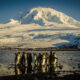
x=68, y=60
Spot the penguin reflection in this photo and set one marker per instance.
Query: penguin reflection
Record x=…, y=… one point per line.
x=43, y=68
x=39, y=59
x=20, y=70
x=17, y=70
x=54, y=62
x=47, y=68
x=36, y=69
x=40, y=62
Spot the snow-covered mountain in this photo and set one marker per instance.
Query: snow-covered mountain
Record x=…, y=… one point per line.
x=40, y=27
x=45, y=16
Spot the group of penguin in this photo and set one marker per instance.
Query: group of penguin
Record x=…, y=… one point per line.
x=45, y=59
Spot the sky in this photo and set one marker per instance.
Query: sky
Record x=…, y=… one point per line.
x=10, y=8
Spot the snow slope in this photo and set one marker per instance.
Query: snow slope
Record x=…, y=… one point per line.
x=40, y=27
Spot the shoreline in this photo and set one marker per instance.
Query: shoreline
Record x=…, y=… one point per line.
x=42, y=49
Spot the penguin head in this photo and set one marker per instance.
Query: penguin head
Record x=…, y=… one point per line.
x=18, y=54
x=24, y=53
x=54, y=53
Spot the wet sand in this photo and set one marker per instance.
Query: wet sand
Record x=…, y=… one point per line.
x=42, y=76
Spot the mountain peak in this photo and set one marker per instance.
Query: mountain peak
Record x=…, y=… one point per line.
x=45, y=16
x=42, y=9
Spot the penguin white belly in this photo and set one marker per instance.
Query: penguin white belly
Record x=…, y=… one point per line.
x=26, y=61
x=43, y=61
x=18, y=60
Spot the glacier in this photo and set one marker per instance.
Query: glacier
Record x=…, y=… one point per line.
x=40, y=27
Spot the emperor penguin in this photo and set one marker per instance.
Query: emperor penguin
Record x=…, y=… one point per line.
x=18, y=57
x=36, y=59
x=25, y=59
x=43, y=59
x=47, y=59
